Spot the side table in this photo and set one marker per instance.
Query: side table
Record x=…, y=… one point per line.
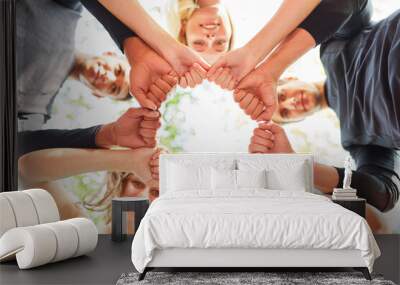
x=356, y=205
x=120, y=206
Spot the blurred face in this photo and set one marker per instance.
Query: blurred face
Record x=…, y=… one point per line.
x=296, y=100
x=154, y=191
x=209, y=32
x=107, y=76
x=133, y=187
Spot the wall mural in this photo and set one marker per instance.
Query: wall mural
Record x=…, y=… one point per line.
x=203, y=119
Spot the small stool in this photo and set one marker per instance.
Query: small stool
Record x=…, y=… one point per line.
x=120, y=206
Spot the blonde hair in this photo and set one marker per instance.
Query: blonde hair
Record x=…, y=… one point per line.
x=183, y=12
x=102, y=201
x=186, y=9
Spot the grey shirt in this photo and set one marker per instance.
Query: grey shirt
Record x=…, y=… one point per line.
x=45, y=40
x=45, y=55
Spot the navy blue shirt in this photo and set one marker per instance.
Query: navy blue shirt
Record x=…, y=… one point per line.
x=117, y=30
x=361, y=61
x=71, y=4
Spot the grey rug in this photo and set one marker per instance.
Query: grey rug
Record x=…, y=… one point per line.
x=269, y=278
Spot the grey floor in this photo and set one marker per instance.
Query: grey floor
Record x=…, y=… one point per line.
x=110, y=260
x=103, y=266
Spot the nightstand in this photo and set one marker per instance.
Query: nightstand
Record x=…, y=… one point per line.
x=120, y=206
x=356, y=205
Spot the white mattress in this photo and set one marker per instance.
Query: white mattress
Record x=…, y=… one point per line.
x=258, y=219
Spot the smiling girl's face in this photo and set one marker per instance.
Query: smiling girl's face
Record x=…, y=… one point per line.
x=209, y=32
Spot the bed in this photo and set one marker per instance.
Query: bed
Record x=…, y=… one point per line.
x=247, y=210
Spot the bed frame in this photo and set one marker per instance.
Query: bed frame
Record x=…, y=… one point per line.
x=243, y=259
x=246, y=258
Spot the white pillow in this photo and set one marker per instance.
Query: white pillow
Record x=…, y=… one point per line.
x=290, y=179
x=251, y=178
x=282, y=173
x=182, y=177
x=223, y=179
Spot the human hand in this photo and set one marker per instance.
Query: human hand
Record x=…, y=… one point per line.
x=263, y=86
x=193, y=77
x=270, y=138
x=191, y=68
x=138, y=163
x=239, y=61
x=151, y=77
x=154, y=163
x=136, y=128
x=159, y=89
x=250, y=104
x=223, y=77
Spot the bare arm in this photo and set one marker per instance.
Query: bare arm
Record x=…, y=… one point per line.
x=325, y=177
x=132, y=14
x=294, y=46
x=290, y=14
x=271, y=138
x=319, y=25
x=124, y=19
x=53, y=164
x=263, y=80
x=242, y=61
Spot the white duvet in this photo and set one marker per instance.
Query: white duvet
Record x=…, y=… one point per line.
x=250, y=219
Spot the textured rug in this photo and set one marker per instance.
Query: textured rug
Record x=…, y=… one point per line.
x=243, y=278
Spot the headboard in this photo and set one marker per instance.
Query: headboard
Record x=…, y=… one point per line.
x=231, y=160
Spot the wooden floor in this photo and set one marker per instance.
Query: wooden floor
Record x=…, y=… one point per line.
x=110, y=260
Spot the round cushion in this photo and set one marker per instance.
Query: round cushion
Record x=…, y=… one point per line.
x=40, y=244
x=23, y=208
x=67, y=240
x=45, y=205
x=33, y=246
x=7, y=220
x=87, y=234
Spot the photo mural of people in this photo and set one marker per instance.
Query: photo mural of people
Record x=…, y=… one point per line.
x=98, y=102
